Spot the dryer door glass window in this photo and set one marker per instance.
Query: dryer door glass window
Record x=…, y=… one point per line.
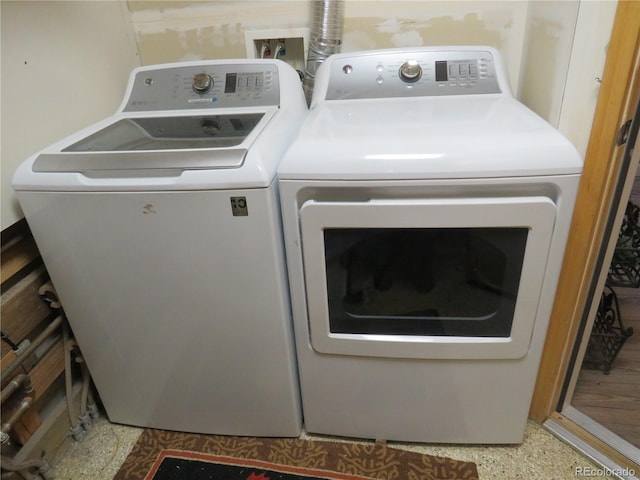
x=440, y=281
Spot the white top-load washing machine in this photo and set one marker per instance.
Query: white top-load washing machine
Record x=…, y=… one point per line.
x=160, y=228
x=425, y=214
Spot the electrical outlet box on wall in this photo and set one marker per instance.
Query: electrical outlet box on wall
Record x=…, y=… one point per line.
x=287, y=44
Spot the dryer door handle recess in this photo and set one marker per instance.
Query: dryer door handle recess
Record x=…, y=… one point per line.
x=451, y=278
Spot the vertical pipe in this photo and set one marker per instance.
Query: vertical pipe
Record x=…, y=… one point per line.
x=325, y=38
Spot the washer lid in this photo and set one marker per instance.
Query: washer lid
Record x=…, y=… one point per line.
x=152, y=143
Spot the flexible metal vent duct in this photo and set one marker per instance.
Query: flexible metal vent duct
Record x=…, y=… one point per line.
x=325, y=38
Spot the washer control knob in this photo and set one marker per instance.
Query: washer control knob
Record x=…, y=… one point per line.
x=210, y=127
x=410, y=71
x=202, y=83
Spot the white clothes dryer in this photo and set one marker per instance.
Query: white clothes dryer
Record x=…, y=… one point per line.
x=425, y=213
x=160, y=228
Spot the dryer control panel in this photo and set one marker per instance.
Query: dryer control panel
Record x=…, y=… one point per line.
x=205, y=86
x=412, y=73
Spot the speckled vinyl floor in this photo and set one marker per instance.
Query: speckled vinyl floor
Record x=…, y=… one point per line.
x=540, y=457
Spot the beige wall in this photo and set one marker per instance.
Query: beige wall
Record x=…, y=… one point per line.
x=549, y=36
x=586, y=65
x=192, y=30
x=64, y=66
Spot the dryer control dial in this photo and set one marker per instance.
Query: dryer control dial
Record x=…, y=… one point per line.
x=410, y=71
x=202, y=83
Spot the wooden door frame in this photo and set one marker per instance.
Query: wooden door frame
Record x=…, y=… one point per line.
x=602, y=168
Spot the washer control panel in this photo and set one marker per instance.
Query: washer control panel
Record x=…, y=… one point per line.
x=205, y=86
x=413, y=73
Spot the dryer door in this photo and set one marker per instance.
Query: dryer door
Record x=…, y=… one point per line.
x=425, y=278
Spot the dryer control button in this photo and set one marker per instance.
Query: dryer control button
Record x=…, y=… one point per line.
x=410, y=71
